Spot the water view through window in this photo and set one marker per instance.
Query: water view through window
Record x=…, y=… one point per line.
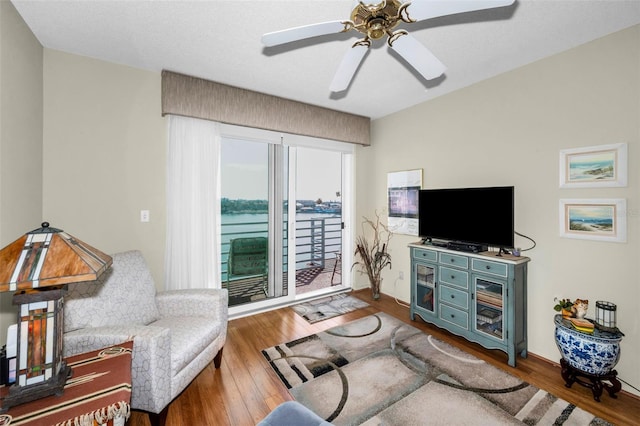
x=249, y=174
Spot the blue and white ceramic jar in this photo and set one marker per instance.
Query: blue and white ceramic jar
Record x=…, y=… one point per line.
x=596, y=353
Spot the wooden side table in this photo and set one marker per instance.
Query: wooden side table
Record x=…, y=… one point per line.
x=597, y=383
x=99, y=391
x=588, y=358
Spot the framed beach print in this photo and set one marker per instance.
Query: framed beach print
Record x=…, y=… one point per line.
x=601, y=219
x=595, y=166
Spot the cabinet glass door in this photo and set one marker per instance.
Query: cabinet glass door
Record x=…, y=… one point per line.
x=425, y=286
x=489, y=302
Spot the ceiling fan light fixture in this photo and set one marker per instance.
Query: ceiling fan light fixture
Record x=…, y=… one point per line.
x=376, y=28
x=376, y=20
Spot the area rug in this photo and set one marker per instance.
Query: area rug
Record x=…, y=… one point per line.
x=328, y=307
x=380, y=371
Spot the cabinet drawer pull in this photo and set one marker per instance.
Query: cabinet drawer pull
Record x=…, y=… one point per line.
x=453, y=316
x=453, y=277
x=452, y=296
x=488, y=266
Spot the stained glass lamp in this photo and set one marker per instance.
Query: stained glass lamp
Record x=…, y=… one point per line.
x=606, y=315
x=37, y=267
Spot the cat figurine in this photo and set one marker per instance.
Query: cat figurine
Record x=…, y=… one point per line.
x=579, y=308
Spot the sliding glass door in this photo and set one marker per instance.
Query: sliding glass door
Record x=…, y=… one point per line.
x=273, y=250
x=318, y=218
x=251, y=182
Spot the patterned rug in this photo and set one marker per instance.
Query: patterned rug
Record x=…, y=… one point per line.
x=328, y=307
x=380, y=371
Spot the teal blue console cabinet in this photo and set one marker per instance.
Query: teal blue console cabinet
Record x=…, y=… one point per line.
x=479, y=296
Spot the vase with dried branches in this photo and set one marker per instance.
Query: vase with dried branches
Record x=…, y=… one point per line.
x=372, y=255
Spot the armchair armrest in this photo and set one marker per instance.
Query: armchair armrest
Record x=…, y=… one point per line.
x=150, y=363
x=212, y=303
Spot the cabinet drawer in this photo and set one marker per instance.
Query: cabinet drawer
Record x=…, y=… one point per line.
x=454, y=276
x=425, y=255
x=487, y=267
x=454, y=260
x=454, y=316
x=455, y=297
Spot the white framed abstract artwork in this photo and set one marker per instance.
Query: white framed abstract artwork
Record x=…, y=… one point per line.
x=402, y=199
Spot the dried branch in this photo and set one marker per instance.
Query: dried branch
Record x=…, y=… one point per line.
x=373, y=255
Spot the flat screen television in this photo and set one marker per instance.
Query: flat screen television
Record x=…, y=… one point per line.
x=482, y=216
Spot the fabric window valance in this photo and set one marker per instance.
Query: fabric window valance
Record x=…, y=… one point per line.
x=195, y=97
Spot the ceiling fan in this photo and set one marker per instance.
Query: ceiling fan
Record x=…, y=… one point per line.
x=377, y=20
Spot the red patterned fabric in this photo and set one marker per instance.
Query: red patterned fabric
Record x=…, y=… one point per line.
x=99, y=390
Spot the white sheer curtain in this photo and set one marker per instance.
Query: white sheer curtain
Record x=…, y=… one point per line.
x=192, y=258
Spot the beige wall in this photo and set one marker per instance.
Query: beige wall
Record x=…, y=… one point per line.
x=509, y=131
x=20, y=138
x=104, y=150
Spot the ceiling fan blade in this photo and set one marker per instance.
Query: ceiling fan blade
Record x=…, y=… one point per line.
x=418, y=56
x=305, y=31
x=425, y=9
x=348, y=67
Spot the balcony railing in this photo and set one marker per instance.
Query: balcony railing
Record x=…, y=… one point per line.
x=317, y=240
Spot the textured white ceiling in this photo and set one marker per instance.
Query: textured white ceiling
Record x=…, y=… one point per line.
x=220, y=41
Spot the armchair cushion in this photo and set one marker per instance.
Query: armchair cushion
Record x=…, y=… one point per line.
x=124, y=294
x=189, y=337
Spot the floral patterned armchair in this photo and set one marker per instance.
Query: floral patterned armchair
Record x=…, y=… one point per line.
x=176, y=333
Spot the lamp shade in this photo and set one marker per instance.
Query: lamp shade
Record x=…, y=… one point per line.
x=606, y=315
x=48, y=256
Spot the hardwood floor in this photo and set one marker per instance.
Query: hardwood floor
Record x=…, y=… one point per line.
x=245, y=389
